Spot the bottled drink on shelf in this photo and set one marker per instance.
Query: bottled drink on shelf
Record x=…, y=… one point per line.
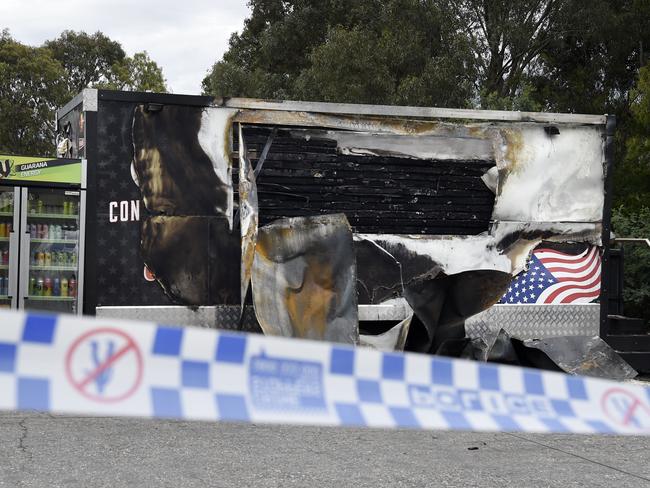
x=5, y=256
x=47, y=259
x=72, y=287
x=47, y=286
x=64, y=287
x=39, y=206
x=32, y=286
x=56, y=287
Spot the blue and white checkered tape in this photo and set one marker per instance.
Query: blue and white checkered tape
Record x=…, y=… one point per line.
x=94, y=366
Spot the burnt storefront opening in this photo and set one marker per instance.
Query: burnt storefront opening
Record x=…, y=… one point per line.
x=379, y=194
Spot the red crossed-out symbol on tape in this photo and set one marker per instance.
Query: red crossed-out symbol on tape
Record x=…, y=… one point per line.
x=625, y=408
x=104, y=365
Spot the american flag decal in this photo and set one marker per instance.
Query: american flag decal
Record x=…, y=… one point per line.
x=555, y=277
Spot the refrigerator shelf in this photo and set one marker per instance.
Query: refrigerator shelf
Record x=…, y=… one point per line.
x=4, y=239
x=54, y=241
x=51, y=298
x=51, y=216
x=6, y=214
x=52, y=268
x=4, y=266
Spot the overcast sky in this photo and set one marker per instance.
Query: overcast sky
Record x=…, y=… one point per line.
x=185, y=37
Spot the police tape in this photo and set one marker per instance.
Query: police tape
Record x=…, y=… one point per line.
x=99, y=366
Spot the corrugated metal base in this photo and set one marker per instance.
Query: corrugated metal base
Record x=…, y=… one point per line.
x=521, y=321
x=537, y=321
x=215, y=317
x=227, y=316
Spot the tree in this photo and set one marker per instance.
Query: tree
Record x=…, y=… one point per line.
x=507, y=39
x=35, y=81
x=636, y=287
x=86, y=59
x=631, y=217
x=32, y=85
x=97, y=61
x=632, y=178
x=139, y=73
x=374, y=51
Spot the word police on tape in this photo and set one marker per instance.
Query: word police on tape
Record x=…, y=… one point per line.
x=68, y=364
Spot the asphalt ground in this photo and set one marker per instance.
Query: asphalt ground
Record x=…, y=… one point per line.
x=40, y=450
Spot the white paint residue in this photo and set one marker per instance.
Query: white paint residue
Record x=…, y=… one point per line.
x=450, y=147
x=214, y=138
x=556, y=178
x=454, y=254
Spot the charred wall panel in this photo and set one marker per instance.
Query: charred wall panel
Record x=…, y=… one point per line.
x=209, y=249
x=378, y=194
x=120, y=277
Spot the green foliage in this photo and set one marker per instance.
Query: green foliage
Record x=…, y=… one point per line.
x=97, y=61
x=632, y=180
x=138, y=73
x=631, y=218
x=636, y=290
x=34, y=81
x=32, y=85
x=373, y=51
x=86, y=59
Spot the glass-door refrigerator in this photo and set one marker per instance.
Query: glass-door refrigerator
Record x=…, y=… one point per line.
x=49, y=250
x=42, y=215
x=9, y=223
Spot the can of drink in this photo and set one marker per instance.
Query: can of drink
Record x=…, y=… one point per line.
x=56, y=287
x=47, y=286
x=32, y=286
x=40, y=259
x=47, y=258
x=40, y=284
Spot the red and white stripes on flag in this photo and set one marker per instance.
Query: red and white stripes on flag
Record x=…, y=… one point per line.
x=578, y=276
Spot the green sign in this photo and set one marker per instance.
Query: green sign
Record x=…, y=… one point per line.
x=22, y=169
